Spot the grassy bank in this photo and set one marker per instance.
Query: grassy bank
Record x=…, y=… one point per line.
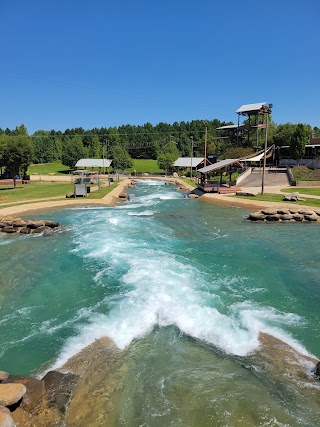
x=145, y=166
x=313, y=191
x=44, y=169
x=37, y=191
x=279, y=198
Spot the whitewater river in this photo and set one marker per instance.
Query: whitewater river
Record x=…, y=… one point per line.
x=184, y=287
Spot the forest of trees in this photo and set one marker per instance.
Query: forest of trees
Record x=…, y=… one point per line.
x=162, y=141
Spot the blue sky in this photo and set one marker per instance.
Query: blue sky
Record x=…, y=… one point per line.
x=70, y=63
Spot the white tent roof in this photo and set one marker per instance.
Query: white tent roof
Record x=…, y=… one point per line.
x=96, y=163
x=259, y=156
x=185, y=162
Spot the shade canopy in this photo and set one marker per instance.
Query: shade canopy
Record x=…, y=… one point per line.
x=220, y=165
x=93, y=163
x=260, y=156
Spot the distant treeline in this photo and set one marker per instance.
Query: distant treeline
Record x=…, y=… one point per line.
x=148, y=141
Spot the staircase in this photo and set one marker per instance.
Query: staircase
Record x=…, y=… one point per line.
x=273, y=177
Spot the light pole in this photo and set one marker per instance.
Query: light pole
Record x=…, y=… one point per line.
x=191, y=157
x=267, y=112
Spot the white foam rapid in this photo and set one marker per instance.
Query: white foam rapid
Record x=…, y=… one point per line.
x=157, y=287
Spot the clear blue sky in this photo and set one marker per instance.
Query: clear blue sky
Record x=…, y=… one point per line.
x=70, y=63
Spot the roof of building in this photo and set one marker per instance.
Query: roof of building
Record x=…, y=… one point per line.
x=186, y=162
x=219, y=165
x=97, y=163
x=248, y=108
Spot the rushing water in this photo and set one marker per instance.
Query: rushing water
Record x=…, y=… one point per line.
x=186, y=287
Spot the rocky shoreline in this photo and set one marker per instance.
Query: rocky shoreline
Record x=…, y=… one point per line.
x=60, y=397
x=15, y=225
x=290, y=214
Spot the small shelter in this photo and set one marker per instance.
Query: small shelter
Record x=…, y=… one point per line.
x=208, y=184
x=190, y=162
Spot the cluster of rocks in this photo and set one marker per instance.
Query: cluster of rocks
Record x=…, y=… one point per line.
x=292, y=197
x=290, y=214
x=14, y=225
x=28, y=401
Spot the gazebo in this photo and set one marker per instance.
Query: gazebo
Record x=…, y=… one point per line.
x=207, y=184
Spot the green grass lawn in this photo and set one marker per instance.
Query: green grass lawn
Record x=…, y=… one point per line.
x=44, y=190
x=145, y=165
x=44, y=169
x=313, y=191
x=34, y=190
x=103, y=191
x=188, y=181
x=268, y=197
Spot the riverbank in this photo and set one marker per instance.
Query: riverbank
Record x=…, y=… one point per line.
x=111, y=198
x=107, y=200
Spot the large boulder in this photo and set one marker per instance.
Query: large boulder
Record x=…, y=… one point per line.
x=291, y=197
x=51, y=224
x=317, y=372
x=6, y=419
x=306, y=212
x=270, y=211
x=42, y=229
x=36, y=224
x=312, y=217
x=275, y=217
x=3, y=375
x=11, y=393
x=298, y=217
x=9, y=229
x=286, y=217
x=257, y=216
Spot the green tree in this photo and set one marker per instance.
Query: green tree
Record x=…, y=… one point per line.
x=44, y=147
x=165, y=161
x=283, y=134
x=72, y=151
x=298, y=142
x=16, y=154
x=94, y=148
x=120, y=158
x=168, y=154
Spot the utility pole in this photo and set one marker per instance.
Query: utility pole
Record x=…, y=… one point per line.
x=265, y=154
x=205, y=146
x=191, y=157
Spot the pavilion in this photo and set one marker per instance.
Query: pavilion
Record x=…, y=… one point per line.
x=210, y=184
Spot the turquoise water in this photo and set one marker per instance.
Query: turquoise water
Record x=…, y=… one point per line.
x=186, y=286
